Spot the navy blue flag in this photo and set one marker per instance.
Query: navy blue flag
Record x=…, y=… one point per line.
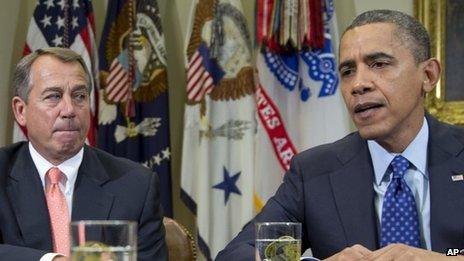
x=133, y=112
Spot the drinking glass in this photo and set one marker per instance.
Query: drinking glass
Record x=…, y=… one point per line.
x=103, y=240
x=277, y=241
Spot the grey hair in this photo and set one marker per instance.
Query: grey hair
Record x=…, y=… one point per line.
x=22, y=75
x=409, y=30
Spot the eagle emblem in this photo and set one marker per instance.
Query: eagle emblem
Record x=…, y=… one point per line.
x=136, y=57
x=218, y=53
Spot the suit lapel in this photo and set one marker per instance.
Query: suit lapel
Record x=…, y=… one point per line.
x=27, y=198
x=445, y=159
x=90, y=200
x=354, y=194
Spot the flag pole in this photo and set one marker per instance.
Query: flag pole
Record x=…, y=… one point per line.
x=130, y=106
x=66, y=25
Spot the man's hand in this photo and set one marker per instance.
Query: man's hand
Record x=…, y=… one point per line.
x=400, y=252
x=356, y=252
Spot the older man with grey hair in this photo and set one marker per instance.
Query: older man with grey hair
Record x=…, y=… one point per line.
x=55, y=178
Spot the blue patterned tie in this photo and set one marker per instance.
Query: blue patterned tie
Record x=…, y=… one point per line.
x=400, y=222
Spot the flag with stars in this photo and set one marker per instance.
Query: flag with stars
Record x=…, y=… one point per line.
x=133, y=105
x=299, y=105
x=219, y=124
x=70, y=24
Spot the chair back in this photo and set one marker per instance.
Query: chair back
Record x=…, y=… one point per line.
x=179, y=241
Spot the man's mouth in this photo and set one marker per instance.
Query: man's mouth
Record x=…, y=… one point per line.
x=65, y=130
x=360, y=108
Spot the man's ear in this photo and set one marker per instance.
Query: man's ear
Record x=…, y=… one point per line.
x=19, y=108
x=432, y=72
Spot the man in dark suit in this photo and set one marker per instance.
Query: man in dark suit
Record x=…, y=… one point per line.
x=52, y=102
x=393, y=190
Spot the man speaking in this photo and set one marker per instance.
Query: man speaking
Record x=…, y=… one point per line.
x=387, y=191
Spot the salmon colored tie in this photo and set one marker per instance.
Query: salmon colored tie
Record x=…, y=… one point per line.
x=58, y=211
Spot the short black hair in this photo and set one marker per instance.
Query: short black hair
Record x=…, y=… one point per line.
x=409, y=30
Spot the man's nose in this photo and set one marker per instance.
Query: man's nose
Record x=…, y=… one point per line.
x=67, y=107
x=363, y=82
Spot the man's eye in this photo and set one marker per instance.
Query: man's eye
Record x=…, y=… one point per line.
x=346, y=72
x=80, y=97
x=53, y=97
x=379, y=64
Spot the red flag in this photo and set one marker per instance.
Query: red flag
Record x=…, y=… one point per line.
x=286, y=26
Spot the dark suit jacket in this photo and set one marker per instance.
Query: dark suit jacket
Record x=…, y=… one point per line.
x=329, y=189
x=106, y=187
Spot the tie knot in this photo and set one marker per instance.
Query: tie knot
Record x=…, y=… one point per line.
x=399, y=165
x=54, y=175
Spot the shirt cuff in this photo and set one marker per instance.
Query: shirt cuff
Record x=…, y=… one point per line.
x=49, y=256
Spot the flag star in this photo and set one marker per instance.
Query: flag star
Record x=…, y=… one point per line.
x=166, y=153
x=49, y=4
x=158, y=159
x=228, y=185
x=46, y=21
x=62, y=4
x=59, y=22
x=75, y=4
x=58, y=41
x=74, y=22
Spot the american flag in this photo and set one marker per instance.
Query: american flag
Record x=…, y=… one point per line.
x=203, y=73
x=118, y=83
x=70, y=24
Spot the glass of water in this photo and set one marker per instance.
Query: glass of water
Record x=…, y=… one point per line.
x=103, y=240
x=278, y=241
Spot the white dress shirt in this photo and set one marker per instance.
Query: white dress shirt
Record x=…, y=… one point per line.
x=69, y=168
x=416, y=177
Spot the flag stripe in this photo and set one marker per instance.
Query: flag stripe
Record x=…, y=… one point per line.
x=196, y=77
x=188, y=201
x=117, y=81
x=197, y=85
x=201, y=82
x=117, y=88
x=196, y=58
x=116, y=75
x=266, y=110
x=204, y=248
x=122, y=95
x=120, y=88
x=205, y=84
x=194, y=67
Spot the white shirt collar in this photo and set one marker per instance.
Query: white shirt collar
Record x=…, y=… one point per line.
x=416, y=153
x=69, y=167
